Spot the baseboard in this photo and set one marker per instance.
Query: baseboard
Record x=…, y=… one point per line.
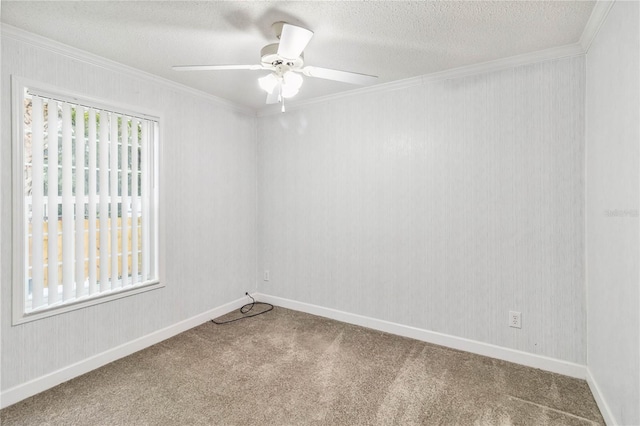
x=519, y=357
x=40, y=384
x=607, y=415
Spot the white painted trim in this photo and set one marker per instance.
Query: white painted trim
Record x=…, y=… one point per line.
x=596, y=19
x=480, y=348
x=71, y=52
x=599, y=397
x=18, y=249
x=558, y=52
x=18, y=85
x=40, y=384
x=498, y=64
x=1, y=228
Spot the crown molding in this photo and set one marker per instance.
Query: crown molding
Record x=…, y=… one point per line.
x=11, y=32
x=596, y=19
x=558, y=52
x=599, y=13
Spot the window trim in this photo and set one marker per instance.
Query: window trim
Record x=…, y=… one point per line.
x=19, y=248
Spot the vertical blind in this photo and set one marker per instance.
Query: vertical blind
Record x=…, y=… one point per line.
x=89, y=206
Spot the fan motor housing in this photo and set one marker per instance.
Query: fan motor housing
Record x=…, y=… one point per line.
x=269, y=56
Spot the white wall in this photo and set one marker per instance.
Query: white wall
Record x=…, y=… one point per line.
x=612, y=204
x=207, y=215
x=440, y=206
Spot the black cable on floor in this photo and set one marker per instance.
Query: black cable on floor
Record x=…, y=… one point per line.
x=246, y=309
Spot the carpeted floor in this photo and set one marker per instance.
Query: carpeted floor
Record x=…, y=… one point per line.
x=291, y=368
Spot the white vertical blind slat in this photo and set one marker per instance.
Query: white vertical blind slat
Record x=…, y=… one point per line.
x=114, y=199
x=125, y=202
x=92, y=199
x=152, y=200
x=37, y=202
x=52, y=201
x=134, y=201
x=104, y=201
x=144, y=166
x=67, y=205
x=79, y=178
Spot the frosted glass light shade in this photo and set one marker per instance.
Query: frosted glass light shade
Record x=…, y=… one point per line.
x=293, y=80
x=268, y=83
x=288, y=85
x=291, y=84
x=289, y=91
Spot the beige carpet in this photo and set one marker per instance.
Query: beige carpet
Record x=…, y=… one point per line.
x=290, y=368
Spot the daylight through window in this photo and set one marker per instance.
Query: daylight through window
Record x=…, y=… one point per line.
x=90, y=204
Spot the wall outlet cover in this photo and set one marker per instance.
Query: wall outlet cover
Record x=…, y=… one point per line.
x=515, y=319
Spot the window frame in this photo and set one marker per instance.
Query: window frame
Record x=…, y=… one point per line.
x=19, y=221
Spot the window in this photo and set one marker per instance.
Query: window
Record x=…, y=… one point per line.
x=85, y=203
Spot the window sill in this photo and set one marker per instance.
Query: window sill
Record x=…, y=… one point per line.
x=48, y=311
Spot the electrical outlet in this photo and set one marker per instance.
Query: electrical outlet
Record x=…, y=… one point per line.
x=515, y=319
x=266, y=275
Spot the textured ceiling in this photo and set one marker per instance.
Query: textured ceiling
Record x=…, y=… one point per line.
x=394, y=40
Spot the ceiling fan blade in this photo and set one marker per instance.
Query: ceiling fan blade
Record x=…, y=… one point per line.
x=344, y=76
x=216, y=67
x=293, y=40
x=273, y=97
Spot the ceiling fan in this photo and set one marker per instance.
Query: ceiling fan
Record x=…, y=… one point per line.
x=285, y=60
